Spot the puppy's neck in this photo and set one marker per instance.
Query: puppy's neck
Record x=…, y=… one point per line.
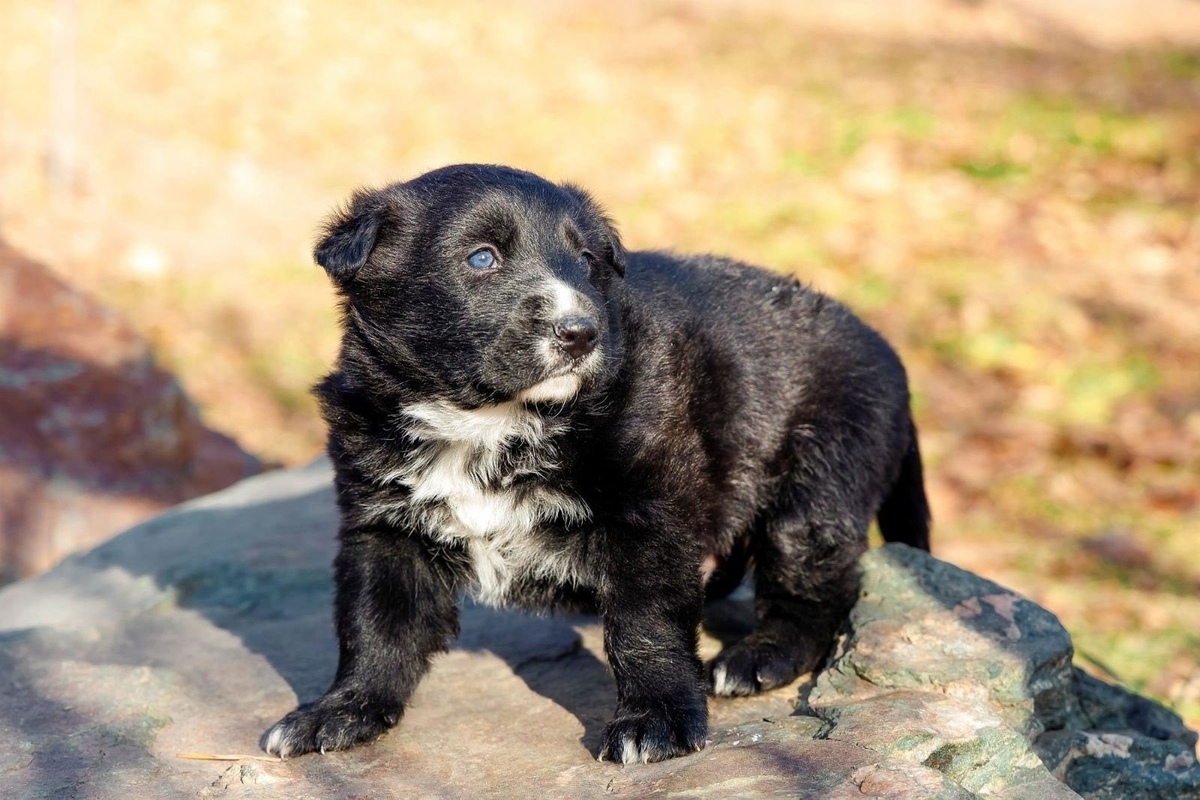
x=488, y=427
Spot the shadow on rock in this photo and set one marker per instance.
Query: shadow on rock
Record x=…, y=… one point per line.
x=256, y=562
x=36, y=754
x=547, y=653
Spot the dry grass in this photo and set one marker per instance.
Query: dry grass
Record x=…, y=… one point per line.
x=1012, y=200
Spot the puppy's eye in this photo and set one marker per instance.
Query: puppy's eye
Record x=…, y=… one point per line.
x=481, y=259
x=585, y=260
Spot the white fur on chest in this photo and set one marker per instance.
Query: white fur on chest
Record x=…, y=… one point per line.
x=462, y=488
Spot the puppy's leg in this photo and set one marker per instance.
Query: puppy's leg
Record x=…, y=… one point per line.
x=651, y=610
x=395, y=607
x=806, y=581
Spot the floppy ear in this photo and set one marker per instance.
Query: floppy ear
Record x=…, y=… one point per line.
x=350, y=236
x=615, y=251
x=602, y=227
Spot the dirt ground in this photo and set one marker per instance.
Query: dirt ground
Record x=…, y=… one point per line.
x=1008, y=190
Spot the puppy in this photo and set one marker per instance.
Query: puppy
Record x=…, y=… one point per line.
x=522, y=410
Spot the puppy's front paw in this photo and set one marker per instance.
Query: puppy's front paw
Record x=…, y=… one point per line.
x=328, y=724
x=655, y=731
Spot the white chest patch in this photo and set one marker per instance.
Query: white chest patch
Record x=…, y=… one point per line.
x=476, y=478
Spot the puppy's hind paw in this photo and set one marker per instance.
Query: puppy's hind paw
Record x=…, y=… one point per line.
x=325, y=726
x=725, y=682
x=752, y=666
x=646, y=733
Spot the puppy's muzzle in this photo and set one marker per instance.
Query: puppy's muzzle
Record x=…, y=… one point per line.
x=576, y=335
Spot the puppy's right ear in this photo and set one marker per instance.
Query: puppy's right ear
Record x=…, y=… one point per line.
x=350, y=236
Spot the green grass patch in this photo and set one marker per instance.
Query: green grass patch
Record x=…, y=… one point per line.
x=1183, y=64
x=1092, y=388
x=997, y=170
x=1136, y=658
x=870, y=292
x=993, y=348
x=914, y=123
x=810, y=165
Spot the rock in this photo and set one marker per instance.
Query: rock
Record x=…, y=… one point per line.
x=1114, y=766
x=93, y=435
x=967, y=742
x=920, y=621
x=952, y=671
x=781, y=758
x=192, y=632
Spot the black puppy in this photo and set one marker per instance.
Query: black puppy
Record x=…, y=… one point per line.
x=513, y=415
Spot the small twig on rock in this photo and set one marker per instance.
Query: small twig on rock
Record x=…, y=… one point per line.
x=223, y=757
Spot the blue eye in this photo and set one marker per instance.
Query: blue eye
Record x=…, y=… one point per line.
x=483, y=258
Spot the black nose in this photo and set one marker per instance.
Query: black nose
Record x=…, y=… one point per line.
x=576, y=335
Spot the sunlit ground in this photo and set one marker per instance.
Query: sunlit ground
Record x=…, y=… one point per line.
x=1013, y=203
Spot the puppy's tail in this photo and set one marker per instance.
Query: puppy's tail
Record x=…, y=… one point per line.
x=904, y=515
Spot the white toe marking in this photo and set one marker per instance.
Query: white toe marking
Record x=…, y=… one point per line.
x=278, y=742
x=719, y=680
x=629, y=752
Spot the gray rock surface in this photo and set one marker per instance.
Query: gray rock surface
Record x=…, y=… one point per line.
x=192, y=632
x=958, y=673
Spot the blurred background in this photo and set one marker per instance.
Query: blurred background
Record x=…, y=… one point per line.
x=1008, y=190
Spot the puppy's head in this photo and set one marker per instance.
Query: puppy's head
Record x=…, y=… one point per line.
x=480, y=284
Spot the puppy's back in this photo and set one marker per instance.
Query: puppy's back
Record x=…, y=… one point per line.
x=783, y=380
x=776, y=336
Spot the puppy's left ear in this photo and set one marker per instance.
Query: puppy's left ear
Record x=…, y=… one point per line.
x=600, y=226
x=350, y=236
